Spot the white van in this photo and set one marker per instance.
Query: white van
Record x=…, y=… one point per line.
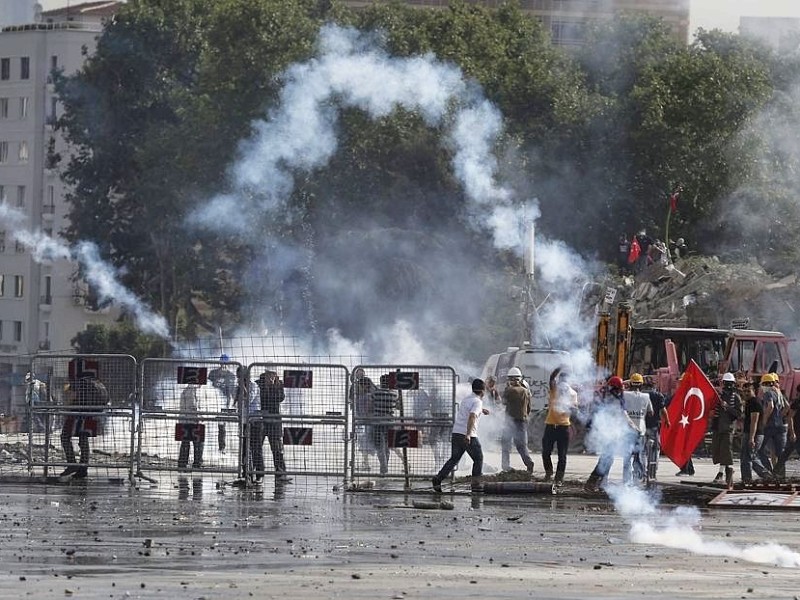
x=536, y=365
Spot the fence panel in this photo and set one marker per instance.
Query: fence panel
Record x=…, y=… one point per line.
x=85, y=400
x=402, y=419
x=299, y=418
x=190, y=416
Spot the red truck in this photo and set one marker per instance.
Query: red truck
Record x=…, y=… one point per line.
x=664, y=353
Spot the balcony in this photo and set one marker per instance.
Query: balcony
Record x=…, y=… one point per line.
x=46, y=302
x=44, y=345
x=48, y=212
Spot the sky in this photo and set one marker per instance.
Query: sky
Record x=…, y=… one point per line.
x=725, y=14
x=708, y=14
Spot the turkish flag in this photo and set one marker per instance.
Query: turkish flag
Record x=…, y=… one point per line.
x=693, y=402
x=636, y=250
x=673, y=202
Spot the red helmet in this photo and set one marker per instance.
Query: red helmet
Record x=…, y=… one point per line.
x=615, y=382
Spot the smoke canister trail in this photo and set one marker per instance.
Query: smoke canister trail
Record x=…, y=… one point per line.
x=99, y=274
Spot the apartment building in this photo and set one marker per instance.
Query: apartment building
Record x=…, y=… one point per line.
x=41, y=307
x=567, y=19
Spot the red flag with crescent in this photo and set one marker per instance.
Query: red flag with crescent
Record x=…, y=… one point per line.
x=689, y=410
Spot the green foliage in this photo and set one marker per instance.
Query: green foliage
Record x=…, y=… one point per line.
x=121, y=338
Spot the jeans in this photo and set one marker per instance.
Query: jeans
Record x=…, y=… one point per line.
x=516, y=431
x=380, y=441
x=750, y=460
x=780, y=467
x=459, y=446
x=775, y=439
x=273, y=431
x=652, y=451
x=634, y=459
x=555, y=435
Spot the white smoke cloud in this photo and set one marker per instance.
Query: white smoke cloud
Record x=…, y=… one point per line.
x=352, y=71
x=99, y=274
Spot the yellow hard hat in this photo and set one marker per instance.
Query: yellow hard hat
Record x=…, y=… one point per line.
x=768, y=378
x=637, y=379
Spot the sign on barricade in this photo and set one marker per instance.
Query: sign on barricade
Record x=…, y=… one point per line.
x=191, y=405
x=402, y=419
x=83, y=408
x=299, y=412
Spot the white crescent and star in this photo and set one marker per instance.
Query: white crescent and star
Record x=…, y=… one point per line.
x=698, y=393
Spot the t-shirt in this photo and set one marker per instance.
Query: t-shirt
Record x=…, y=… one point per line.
x=471, y=405
x=560, y=403
x=753, y=405
x=658, y=402
x=637, y=405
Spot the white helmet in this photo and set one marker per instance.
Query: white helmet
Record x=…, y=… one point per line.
x=729, y=377
x=514, y=372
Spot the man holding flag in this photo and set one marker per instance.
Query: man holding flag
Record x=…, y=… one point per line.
x=693, y=402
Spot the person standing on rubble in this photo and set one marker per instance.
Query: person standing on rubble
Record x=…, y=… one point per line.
x=465, y=437
x=623, y=251
x=725, y=416
x=517, y=402
x=561, y=403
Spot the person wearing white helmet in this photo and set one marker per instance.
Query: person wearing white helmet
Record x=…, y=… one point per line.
x=727, y=412
x=517, y=401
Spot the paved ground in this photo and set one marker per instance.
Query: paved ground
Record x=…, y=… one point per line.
x=203, y=539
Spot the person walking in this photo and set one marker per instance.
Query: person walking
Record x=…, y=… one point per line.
x=561, y=403
x=517, y=401
x=775, y=408
x=607, y=419
x=725, y=416
x=465, y=437
x=752, y=436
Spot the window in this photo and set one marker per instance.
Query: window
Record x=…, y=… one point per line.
x=3, y=152
x=2, y=249
x=53, y=109
x=742, y=356
x=25, y=67
x=17, y=331
x=5, y=69
x=21, y=196
x=49, y=205
x=23, y=152
x=3, y=108
x=23, y=107
x=19, y=285
x=3, y=278
x=1, y=330
x=2, y=194
x=19, y=247
x=53, y=62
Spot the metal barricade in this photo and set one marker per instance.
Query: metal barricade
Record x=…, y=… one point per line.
x=402, y=419
x=190, y=416
x=300, y=411
x=84, y=398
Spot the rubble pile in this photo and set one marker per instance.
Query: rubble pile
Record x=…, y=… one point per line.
x=702, y=291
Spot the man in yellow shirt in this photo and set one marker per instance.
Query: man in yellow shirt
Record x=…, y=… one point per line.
x=561, y=402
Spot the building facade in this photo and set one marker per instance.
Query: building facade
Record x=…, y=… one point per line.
x=41, y=305
x=567, y=19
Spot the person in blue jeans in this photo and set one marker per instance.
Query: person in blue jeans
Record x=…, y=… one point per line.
x=464, y=438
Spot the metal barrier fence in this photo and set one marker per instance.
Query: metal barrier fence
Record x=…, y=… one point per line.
x=300, y=411
x=88, y=399
x=190, y=416
x=402, y=419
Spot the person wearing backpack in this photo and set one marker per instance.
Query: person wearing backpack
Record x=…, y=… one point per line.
x=775, y=410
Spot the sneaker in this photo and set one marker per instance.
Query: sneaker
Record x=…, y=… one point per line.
x=81, y=473
x=69, y=471
x=718, y=478
x=530, y=469
x=437, y=485
x=547, y=477
x=558, y=483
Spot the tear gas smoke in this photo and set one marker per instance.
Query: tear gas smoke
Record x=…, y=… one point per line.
x=100, y=275
x=352, y=71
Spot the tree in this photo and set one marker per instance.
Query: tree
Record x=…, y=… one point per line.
x=121, y=338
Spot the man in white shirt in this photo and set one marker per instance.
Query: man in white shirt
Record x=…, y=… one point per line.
x=637, y=404
x=465, y=437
